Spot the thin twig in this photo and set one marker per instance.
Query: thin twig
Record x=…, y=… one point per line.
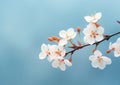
x=79, y=47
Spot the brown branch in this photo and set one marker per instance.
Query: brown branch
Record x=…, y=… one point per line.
x=106, y=37
x=118, y=22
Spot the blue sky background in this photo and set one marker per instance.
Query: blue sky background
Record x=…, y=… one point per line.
x=26, y=24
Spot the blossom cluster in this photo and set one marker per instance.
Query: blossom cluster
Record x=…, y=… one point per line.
x=93, y=35
x=56, y=53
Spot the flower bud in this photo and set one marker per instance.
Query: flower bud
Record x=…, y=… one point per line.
x=97, y=25
x=55, y=38
x=70, y=59
x=50, y=39
x=78, y=29
x=108, y=51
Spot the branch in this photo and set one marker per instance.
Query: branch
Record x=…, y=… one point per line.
x=106, y=37
x=118, y=22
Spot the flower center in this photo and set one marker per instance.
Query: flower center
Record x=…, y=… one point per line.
x=100, y=59
x=67, y=36
x=48, y=52
x=61, y=61
x=58, y=52
x=93, y=34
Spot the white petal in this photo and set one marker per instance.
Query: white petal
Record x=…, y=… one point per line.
x=44, y=47
x=55, y=64
x=74, y=35
x=88, y=18
x=102, y=66
x=99, y=37
x=86, y=31
x=97, y=53
x=63, y=53
x=107, y=60
x=62, y=67
x=118, y=41
x=91, y=26
x=100, y=30
x=94, y=64
x=110, y=45
x=67, y=62
x=92, y=58
x=50, y=59
x=62, y=42
x=42, y=55
x=70, y=31
x=113, y=45
x=62, y=34
x=116, y=54
x=98, y=15
x=89, y=39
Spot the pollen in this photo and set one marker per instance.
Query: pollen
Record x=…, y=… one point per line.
x=93, y=34
x=58, y=52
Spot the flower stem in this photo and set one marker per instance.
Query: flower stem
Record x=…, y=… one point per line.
x=85, y=45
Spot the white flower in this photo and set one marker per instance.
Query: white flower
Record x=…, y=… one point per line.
x=115, y=47
x=57, y=52
x=66, y=35
x=99, y=61
x=94, y=18
x=61, y=63
x=44, y=51
x=62, y=42
x=92, y=33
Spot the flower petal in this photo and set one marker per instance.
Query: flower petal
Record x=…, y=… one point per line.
x=70, y=31
x=102, y=66
x=62, y=67
x=94, y=64
x=118, y=41
x=86, y=31
x=42, y=55
x=67, y=62
x=98, y=15
x=89, y=39
x=116, y=54
x=55, y=64
x=97, y=53
x=99, y=37
x=92, y=58
x=62, y=34
x=107, y=60
x=88, y=18
x=100, y=30
x=44, y=47
x=62, y=42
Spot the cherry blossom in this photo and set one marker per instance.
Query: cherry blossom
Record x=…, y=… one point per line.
x=66, y=36
x=115, y=47
x=92, y=33
x=52, y=52
x=94, y=18
x=99, y=61
x=44, y=51
x=61, y=63
x=59, y=55
x=62, y=42
x=57, y=52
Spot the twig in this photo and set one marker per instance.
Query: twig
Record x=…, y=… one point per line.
x=79, y=47
x=118, y=22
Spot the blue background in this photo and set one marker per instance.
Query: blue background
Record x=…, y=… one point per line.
x=26, y=24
